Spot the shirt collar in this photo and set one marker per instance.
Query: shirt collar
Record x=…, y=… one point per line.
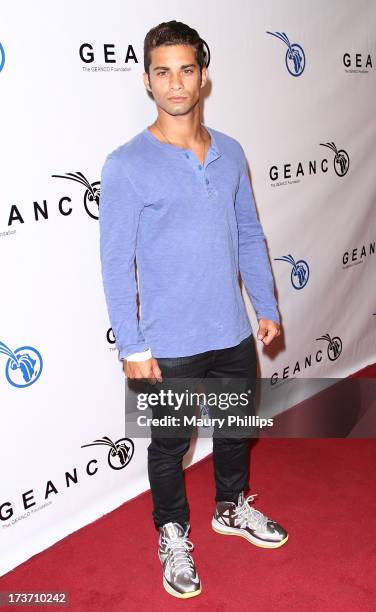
x=179, y=150
x=214, y=143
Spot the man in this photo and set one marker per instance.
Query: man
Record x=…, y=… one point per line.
x=176, y=199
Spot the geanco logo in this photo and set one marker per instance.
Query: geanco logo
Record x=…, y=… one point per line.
x=111, y=340
x=40, y=211
x=91, y=194
x=120, y=452
x=333, y=351
x=357, y=255
x=295, y=58
x=288, y=173
x=299, y=271
x=357, y=62
x=110, y=336
x=203, y=408
x=207, y=52
x=109, y=54
x=24, y=365
x=334, y=348
x=341, y=161
x=2, y=57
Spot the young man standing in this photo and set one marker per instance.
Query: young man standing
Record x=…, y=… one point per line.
x=177, y=199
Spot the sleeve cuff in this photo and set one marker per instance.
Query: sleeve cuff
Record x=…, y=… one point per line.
x=140, y=356
x=273, y=316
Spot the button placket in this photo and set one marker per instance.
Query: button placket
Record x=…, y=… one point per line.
x=209, y=191
x=201, y=169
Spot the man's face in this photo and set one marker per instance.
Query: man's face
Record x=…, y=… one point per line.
x=175, y=80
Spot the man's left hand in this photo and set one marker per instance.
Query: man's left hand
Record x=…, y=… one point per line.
x=268, y=330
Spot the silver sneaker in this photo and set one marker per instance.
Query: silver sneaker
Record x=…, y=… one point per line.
x=243, y=520
x=180, y=577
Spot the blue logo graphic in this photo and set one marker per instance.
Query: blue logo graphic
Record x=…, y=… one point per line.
x=295, y=57
x=341, y=159
x=299, y=272
x=334, y=346
x=24, y=365
x=2, y=57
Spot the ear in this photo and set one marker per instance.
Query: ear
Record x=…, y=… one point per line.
x=146, y=81
x=204, y=76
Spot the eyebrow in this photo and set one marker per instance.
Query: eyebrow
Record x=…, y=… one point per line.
x=167, y=68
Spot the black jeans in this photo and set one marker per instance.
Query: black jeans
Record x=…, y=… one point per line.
x=230, y=454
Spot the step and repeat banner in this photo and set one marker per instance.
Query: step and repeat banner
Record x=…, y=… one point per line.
x=294, y=82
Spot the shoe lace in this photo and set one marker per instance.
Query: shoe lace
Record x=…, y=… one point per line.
x=248, y=515
x=179, y=552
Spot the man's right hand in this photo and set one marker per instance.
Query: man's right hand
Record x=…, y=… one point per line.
x=148, y=369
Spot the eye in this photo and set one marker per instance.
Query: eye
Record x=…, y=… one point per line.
x=188, y=70
x=161, y=73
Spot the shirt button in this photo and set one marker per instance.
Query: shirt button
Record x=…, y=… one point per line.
x=207, y=181
x=199, y=167
x=187, y=154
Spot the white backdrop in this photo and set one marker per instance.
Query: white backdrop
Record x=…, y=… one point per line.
x=301, y=103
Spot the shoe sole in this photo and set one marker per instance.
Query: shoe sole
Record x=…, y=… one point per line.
x=223, y=530
x=171, y=591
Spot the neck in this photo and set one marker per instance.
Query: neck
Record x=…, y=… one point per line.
x=184, y=130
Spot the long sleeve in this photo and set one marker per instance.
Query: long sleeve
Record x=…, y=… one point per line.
x=254, y=264
x=119, y=212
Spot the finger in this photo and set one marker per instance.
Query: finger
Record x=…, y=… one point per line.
x=157, y=372
x=270, y=336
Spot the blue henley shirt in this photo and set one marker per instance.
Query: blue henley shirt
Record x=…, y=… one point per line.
x=190, y=229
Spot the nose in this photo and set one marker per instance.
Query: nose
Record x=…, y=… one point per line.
x=175, y=82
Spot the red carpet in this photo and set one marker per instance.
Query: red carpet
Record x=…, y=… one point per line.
x=322, y=490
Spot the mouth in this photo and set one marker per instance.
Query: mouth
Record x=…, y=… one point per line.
x=177, y=98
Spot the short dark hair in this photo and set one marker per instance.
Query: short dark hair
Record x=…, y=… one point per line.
x=173, y=33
